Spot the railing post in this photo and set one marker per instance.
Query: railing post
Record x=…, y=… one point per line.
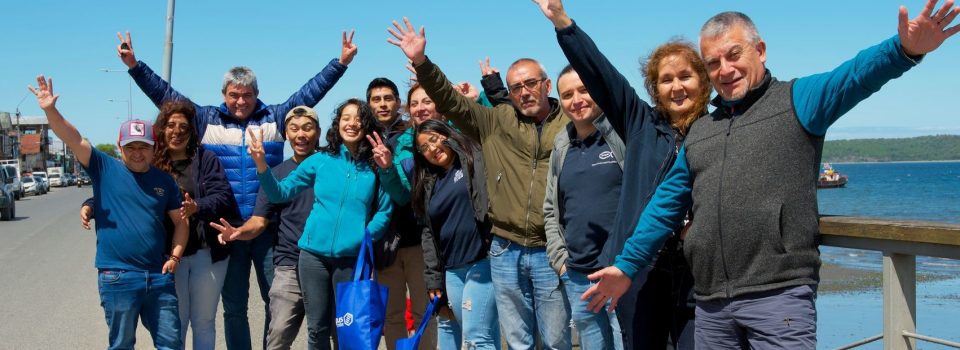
x=899, y=300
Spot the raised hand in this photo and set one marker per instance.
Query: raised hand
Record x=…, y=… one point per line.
x=486, y=69
x=611, y=286
x=467, y=90
x=255, y=149
x=188, y=208
x=44, y=92
x=86, y=214
x=348, y=50
x=125, y=50
x=228, y=233
x=381, y=153
x=412, y=43
x=554, y=11
x=927, y=31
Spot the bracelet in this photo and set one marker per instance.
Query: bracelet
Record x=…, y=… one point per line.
x=174, y=258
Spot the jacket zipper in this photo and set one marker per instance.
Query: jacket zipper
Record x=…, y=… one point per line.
x=533, y=177
x=723, y=170
x=336, y=228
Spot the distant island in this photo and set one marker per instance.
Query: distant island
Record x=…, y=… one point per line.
x=923, y=148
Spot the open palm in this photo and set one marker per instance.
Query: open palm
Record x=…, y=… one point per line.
x=407, y=39
x=44, y=92
x=927, y=31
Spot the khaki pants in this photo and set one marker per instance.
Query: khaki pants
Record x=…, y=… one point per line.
x=405, y=274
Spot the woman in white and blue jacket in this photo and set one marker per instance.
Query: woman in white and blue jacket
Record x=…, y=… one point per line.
x=347, y=200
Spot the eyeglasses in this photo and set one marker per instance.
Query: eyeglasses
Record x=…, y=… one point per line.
x=432, y=144
x=181, y=127
x=530, y=84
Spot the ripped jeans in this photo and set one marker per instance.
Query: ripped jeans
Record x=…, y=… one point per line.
x=471, y=298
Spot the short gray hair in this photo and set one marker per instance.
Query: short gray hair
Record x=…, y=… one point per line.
x=543, y=70
x=724, y=21
x=241, y=76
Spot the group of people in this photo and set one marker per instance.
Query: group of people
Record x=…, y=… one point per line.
x=627, y=220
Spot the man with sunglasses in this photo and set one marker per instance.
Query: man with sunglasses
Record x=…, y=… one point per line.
x=517, y=142
x=221, y=129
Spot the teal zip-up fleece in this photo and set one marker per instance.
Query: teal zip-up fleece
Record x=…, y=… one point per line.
x=343, y=195
x=403, y=150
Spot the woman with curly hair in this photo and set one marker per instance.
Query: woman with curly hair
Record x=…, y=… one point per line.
x=347, y=201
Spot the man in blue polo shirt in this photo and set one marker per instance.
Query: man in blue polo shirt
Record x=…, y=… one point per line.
x=286, y=300
x=131, y=198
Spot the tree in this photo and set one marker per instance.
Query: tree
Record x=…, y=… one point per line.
x=108, y=148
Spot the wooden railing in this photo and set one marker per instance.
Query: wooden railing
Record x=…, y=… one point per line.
x=900, y=242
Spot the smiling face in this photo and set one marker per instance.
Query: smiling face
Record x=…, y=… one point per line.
x=575, y=100
x=304, y=135
x=137, y=156
x=677, y=85
x=734, y=63
x=385, y=104
x=350, y=126
x=240, y=100
x=177, y=133
x=529, y=90
x=431, y=145
x=421, y=107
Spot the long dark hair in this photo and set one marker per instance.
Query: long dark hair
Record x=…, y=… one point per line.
x=161, y=153
x=425, y=174
x=368, y=123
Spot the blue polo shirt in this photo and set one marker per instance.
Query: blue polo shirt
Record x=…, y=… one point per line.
x=288, y=218
x=451, y=216
x=588, y=191
x=129, y=209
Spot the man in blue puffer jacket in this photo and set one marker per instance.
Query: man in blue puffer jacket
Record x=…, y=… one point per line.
x=221, y=129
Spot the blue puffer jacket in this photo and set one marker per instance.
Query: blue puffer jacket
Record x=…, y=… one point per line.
x=225, y=135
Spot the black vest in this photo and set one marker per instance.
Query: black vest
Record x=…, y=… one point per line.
x=754, y=198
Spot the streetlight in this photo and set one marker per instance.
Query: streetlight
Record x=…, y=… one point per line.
x=129, y=91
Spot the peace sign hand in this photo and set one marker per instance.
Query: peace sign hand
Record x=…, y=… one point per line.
x=381, y=153
x=486, y=69
x=44, y=92
x=255, y=149
x=125, y=51
x=408, y=40
x=348, y=50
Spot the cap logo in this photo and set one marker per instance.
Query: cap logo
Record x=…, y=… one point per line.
x=137, y=129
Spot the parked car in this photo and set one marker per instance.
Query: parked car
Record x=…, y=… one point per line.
x=55, y=180
x=42, y=178
x=8, y=203
x=85, y=179
x=16, y=186
x=30, y=186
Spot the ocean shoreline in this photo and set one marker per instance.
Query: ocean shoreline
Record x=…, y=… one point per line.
x=900, y=162
x=838, y=279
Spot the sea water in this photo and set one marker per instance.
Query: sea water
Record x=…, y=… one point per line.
x=926, y=191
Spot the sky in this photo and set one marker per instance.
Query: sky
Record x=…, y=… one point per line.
x=287, y=42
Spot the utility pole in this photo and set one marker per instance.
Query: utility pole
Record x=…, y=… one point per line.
x=168, y=43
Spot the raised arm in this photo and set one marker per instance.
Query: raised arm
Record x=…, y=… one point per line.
x=493, y=88
x=283, y=191
x=608, y=88
x=317, y=87
x=471, y=118
x=152, y=85
x=60, y=126
x=823, y=98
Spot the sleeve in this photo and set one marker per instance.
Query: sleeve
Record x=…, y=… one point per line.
x=152, y=85
x=298, y=180
x=96, y=165
x=433, y=270
x=218, y=198
x=390, y=180
x=494, y=90
x=823, y=98
x=263, y=208
x=608, y=88
x=88, y=203
x=556, y=246
x=175, y=201
x=313, y=91
x=663, y=214
x=472, y=119
x=381, y=218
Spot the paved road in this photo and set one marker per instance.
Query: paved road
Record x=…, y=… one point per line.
x=49, y=285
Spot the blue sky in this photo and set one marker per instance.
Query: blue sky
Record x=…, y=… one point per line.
x=286, y=42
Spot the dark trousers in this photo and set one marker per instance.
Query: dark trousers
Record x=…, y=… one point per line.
x=236, y=288
x=319, y=276
x=657, y=311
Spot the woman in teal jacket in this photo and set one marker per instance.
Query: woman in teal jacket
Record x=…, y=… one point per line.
x=347, y=200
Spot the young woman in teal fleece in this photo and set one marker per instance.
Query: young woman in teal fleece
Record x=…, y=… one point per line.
x=348, y=199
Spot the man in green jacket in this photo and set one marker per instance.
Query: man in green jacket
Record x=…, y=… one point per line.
x=517, y=141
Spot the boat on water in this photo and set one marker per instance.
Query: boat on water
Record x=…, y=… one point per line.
x=830, y=178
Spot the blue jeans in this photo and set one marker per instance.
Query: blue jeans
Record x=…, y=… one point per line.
x=529, y=296
x=470, y=297
x=319, y=276
x=199, y=281
x=600, y=330
x=236, y=287
x=128, y=295
x=784, y=318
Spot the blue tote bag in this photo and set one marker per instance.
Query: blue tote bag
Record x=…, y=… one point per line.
x=361, y=304
x=413, y=343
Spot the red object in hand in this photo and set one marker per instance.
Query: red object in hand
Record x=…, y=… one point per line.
x=408, y=315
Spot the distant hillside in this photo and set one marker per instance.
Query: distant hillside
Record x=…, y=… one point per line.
x=924, y=148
